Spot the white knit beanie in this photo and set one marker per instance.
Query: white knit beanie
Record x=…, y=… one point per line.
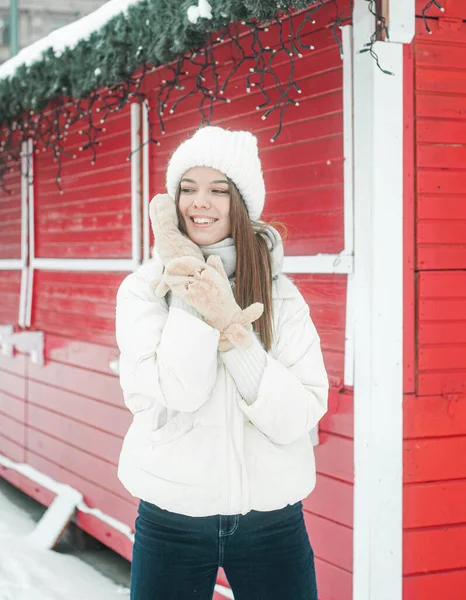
x=234, y=153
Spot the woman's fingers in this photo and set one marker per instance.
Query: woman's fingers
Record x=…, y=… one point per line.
x=179, y=284
x=187, y=266
x=216, y=263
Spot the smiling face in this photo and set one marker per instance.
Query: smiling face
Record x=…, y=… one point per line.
x=204, y=205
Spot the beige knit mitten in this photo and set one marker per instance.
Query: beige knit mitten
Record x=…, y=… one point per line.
x=169, y=241
x=207, y=288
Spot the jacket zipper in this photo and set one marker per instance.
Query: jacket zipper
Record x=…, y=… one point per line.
x=227, y=440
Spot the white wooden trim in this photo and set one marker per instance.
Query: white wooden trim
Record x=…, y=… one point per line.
x=32, y=246
x=24, y=202
x=319, y=263
x=136, y=181
x=401, y=20
x=84, y=264
x=31, y=235
x=378, y=390
x=11, y=264
x=348, y=215
x=145, y=184
x=24, y=233
x=56, y=487
x=348, y=138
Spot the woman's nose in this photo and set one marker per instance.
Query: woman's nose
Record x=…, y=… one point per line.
x=201, y=201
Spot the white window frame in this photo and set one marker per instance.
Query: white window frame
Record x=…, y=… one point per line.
x=111, y=264
x=342, y=263
x=21, y=264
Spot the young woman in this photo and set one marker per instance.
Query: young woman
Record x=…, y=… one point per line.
x=225, y=378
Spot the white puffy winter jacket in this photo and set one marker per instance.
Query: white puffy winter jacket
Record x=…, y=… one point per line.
x=195, y=446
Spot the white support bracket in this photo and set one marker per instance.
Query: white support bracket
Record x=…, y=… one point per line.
x=28, y=342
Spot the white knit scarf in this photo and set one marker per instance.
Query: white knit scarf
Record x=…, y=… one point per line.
x=227, y=252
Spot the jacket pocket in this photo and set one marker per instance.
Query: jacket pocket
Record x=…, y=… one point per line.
x=174, y=428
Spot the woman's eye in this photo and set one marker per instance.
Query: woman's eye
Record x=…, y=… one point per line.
x=186, y=190
x=221, y=191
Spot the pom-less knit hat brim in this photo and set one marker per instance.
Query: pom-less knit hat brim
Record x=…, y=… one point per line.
x=234, y=153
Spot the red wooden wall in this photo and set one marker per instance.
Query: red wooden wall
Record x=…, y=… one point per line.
x=435, y=399
x=67, y=418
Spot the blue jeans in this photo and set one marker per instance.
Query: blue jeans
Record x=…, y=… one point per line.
x=265, y=555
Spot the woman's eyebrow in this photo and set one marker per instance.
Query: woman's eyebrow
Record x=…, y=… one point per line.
x=219, y=181
x=188, y=180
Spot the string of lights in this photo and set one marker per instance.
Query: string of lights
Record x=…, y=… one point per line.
x=264, y=50
x=426, y=8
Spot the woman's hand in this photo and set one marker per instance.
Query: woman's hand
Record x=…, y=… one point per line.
x=170, y=243
x=207, y=288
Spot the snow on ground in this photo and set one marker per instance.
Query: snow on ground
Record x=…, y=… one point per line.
x=27, y=573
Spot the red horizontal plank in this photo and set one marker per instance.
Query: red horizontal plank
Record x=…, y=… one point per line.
x=434, y=416
x=12, y=429
x=435, y=459
x=306, y=153
x=96, y=414
x=29, y=487
x=91, y=249
x=314, y=224
x=447, y=233
x=443, y=382
x=85, y=327
x=330, y=541
x=105, y=388
x=434, y=550
x=440, y=131
x=328, y=199
x=432, y=105
x=434, y=504
x=440, y=80
x=80, y=354
x=13, y=384
x=97, y=196
x=441, y=207
x=11, y=449
x=441, y=156
x=86, y=222
x=443, y=358
x=440, y=182
x=449, y=286
x=82, y=282
x=112, y=538
x=333, y=583
x=15, y=364
x=77, y=461
x=441, y=332
x=12, y=407
x=299, y=244
x=74, y=307
x=70, y=431
x=123, y=509
x=334, y=457
x=339, y=418
x=111, y=155
x=438, y=256
x=432, y=586
x=331, y=499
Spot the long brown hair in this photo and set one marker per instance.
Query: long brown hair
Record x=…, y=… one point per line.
x=253, y=262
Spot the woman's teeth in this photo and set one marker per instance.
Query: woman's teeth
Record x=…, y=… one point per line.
x=203, y=221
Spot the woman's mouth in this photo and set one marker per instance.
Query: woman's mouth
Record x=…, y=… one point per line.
x=203, y=222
